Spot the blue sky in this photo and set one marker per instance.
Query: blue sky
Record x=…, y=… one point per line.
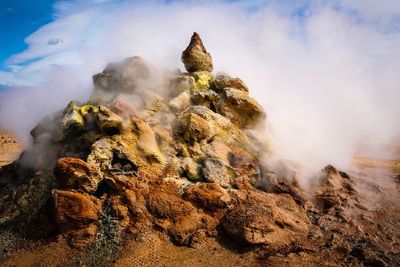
x=36, y=35
x=19, y=18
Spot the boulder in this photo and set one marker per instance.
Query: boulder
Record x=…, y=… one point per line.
x=179, y=84
x=101, y=153
x=109, y=122
x=267, y=219
x=225, y=81
x=336, y=190
x=178, y=217
x=202, y=80
x=192, y=128
x=195, y=57
x=235, y=103
x=74, y=173
x=181, y=102
x=164, y=201
x=191, y=169
x=77, y=216
x=215, y=171
x=75, y=120
x=146, y=142
x=209, y=196
x=72, y=119
x=209, y=99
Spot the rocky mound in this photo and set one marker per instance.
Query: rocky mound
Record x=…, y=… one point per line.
x=168, y=152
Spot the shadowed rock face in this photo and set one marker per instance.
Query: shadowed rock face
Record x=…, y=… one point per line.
x=195, y=57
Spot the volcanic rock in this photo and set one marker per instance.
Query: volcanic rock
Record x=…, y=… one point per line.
x=109, y=122
x=223, y=81
x=336, y=190
x=195, y=57
x=179, y=84
x=74, y=173
x=235, y=103
x=77, y=216
x=181, y=102
x=269, y=219
x=158, y=156
x=210, y=196
x=202, y=80
x=216, y=171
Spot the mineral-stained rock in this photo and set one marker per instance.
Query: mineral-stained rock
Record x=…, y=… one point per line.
x=335, y=190
x=225, y=81
x=192, y=127
x=269, y=219
x=210, y=196
x=77, y=216
x=202, y=80
x=109, y=122
x=195, y=57
x=72, y=120
x=74, y=173
x=191, y=169
x=181, y=102
x=209, y=99
x=214, y=170
x=147, y=141
x=220, y=126
x=102, y=153
x=283, y=187
x=178, y=217
x=185, y=228
x=75, y=120
x=167, y=203
x=236, y=103
x=179, y=84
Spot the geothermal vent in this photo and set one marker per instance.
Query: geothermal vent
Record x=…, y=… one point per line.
x=179, y=155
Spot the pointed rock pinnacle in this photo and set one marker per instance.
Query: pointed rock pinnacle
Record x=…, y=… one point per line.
x=195, y=57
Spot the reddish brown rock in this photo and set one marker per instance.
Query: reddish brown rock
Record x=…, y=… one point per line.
x=268, y=219
x=76, y=216
x=210, y=196
x=165, y=202
x=74, y=173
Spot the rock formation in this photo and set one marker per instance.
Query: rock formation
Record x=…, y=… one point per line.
x=195, y=57
x=182, y=154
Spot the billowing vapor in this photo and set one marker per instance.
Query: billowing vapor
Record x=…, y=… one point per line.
x=326, y=73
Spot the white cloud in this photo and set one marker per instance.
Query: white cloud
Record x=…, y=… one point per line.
x=327, y=78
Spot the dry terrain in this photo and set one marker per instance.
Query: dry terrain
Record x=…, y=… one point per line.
x=9, y=148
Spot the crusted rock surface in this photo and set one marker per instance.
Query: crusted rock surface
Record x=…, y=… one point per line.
x=180, y=158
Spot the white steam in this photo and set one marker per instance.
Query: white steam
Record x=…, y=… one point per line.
x=326, y=73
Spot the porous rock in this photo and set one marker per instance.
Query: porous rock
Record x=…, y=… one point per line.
x=225, y=81
x=74, y=173
x=195, y=57
x=268, y=219
x=77, y=216
x=236, y=103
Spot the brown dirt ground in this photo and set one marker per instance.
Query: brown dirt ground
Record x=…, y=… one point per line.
x=9, y=148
